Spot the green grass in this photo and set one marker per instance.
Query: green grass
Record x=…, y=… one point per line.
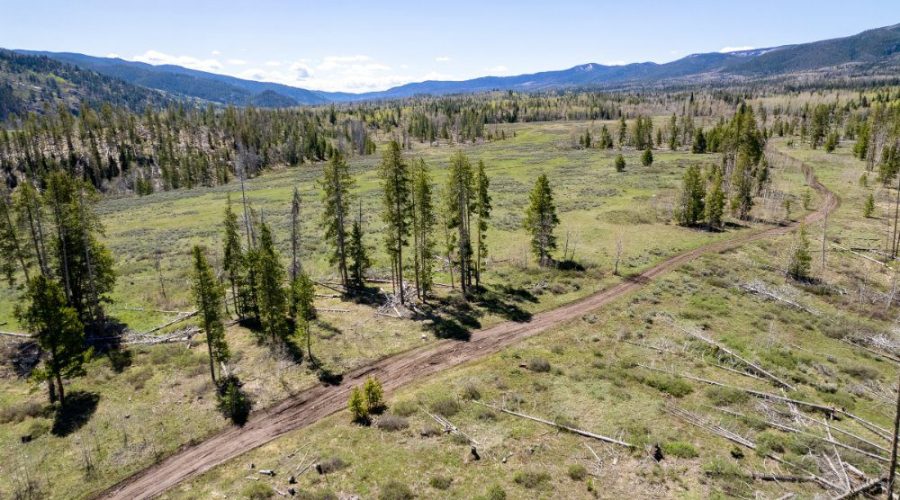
x=163, y=399
x=598, y=388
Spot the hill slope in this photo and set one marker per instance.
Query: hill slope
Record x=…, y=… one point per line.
x=872, y=52
x=212, y=87
x=29, y=83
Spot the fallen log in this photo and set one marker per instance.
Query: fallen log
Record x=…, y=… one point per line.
x=861, y=489
x=753, y=366
x=829, y=410
x=560, y=426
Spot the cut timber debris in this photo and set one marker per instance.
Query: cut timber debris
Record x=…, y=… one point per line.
x=862, y=489
x=753, y=366
x=560, y=426
x=828, y=410
x=449, y=427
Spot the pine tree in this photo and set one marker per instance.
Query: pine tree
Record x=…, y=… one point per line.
x=619, y=163
x=336, y=184
x=359, y=256
x=423, y=225
x=623, y=131
x=373, y=393
x=460, y=206
x=699, y=144
x=303, y=295
x=272, y=297
x=691, y=207
x=357, y=406
x=541, y=219
x=869, y=207
x=233, y=261
x=647, y=157
x=482, y=215
x=12, y=249
x=84, y=265
x=295, y=234
x=801, y=260
x=673, y=133
x=606, y=141
x=208, y=296
x=715, y=201
x=742, y=187
x=397, y=214
x=58, y=331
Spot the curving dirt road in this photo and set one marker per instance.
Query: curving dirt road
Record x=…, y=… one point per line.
x=320, y=401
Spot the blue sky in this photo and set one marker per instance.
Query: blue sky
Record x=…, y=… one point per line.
x=362, y=46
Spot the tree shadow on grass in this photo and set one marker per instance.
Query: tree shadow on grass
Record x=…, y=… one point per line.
x=79, y=408
x=107, y=337
x=451, y=318
x=498, y=302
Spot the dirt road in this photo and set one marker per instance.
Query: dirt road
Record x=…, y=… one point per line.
x=318, y=402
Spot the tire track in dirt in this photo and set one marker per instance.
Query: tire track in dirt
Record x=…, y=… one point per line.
x=315, y=403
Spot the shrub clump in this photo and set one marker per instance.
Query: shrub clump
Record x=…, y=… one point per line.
x=404, y=408
x=395, y=491
x=19, y=412
x=672, y=386
x=330, y=465
x=531, y=479
x=391, y=423
x=366, y=401
x=577, y=472
x=725, y=396
x=445, y=407
x=539, y=365
x=680, y=449
x=440, y=482
x=258, y=491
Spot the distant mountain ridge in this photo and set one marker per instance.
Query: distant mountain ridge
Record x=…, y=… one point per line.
x=875, y=51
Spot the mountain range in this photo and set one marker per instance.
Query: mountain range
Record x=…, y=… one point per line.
x=874, y=52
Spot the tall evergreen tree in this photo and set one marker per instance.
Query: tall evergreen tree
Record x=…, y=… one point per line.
x=336, y=184
x=742, y=186
x=12, y=249
x=482, y=215
x=84, y=265
x=397, y=197
x=423, y=224
x=303, y=295
x=295, y=234
x=690, y=208
x=800, y=259
x=233, y=261
x=715, y=201
x=460, y=206
x=359, y=256
x=541, y=220
x=208, y=294
x=272, y=296
x=58, y=331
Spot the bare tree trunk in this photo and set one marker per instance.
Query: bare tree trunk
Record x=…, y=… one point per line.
x=893, y=468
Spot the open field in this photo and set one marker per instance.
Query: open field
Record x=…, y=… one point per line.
x=601, y=372
x=144, y=406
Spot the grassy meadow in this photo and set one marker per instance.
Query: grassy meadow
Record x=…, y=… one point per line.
x=141, y=405
x=601, y=373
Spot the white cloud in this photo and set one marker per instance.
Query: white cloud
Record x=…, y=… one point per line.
x=497, y=70
x=155, y=57
x=113, y=55
x=273, y=64
x=216, y=53
x=724, y=50
x=441, y=59
x=237, y=62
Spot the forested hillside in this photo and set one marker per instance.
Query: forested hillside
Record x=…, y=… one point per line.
x=35, y=84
